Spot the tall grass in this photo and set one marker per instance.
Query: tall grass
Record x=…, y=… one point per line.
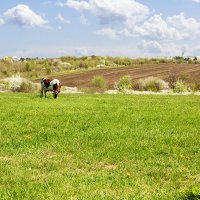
x=124, y=84
x=99, y=83
x=98, y=146
x=151, y=84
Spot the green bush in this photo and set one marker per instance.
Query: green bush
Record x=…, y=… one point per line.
x=27, y=87
x=47, y=66
x=196, y=86
x=193, y=193
x=180, y=86
x=179, y=59
x=56, y=62
x=99, y=82
x=5, y=72
x=125, y=83
x=29, y=66
x=152, y=84
x=48, y=70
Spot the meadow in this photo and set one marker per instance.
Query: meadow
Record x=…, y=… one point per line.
x=99, y=146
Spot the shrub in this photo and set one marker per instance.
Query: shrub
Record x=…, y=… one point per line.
x=172, y=79
x=180, y=86
x=152, y=84
x=7, y=60
x=196, y=86
x=17, y=84
x=28, y=66
x=27, y=87
x=83, y=65
x=179, y=59
x=13, y=83
x=48, y=70
x=125, y=83
x=47, y=66
x=99, y=82
x=5, y=72
x=5, y=69
x=3, y=86
x=193, y=193
x=56, y=62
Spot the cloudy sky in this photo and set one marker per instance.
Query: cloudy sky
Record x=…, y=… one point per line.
x=131, y=28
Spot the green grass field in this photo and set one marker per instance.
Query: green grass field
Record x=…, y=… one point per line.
x=98, y=146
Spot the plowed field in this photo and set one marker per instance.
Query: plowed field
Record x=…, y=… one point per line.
x=83, y=79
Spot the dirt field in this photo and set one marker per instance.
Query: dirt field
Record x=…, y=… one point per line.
x=83, y=79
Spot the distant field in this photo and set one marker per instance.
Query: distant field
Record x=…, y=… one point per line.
x=98, y=146
x=83, y=79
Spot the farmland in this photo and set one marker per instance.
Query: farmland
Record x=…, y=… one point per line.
x=83, y=79
x=98, y=146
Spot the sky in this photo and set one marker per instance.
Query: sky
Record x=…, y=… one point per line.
x=128, y=28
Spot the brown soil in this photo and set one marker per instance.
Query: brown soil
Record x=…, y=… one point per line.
x=83, y=79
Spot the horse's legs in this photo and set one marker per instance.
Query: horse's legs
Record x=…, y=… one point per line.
x=41, y=93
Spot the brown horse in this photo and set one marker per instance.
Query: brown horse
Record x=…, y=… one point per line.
x=48, y=84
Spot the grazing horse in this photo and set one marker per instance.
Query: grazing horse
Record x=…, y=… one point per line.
x=48, y=84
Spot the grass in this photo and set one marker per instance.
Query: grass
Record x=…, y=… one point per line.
x=98, y=146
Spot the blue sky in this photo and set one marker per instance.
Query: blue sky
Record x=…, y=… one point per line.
x=130, y=28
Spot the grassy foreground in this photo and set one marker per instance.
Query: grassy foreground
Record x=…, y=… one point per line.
x=98, y=146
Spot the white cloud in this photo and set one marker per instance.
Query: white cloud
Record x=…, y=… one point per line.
x=46, y=3
x=170, y=29
x=135, y=20
x=126, y=12
x=154, y=28
x=22, y=15
x=60, y=4
x=150, y=46
x=163, y=48
x=172, y=48
x=197, y=1
x=187, y=26
x=83, y=19
x=81, y=51
x=78, y=5
x=108, y=32
x=62, y=19
x=196, y=51
x=1, y=21
x=157, y=29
